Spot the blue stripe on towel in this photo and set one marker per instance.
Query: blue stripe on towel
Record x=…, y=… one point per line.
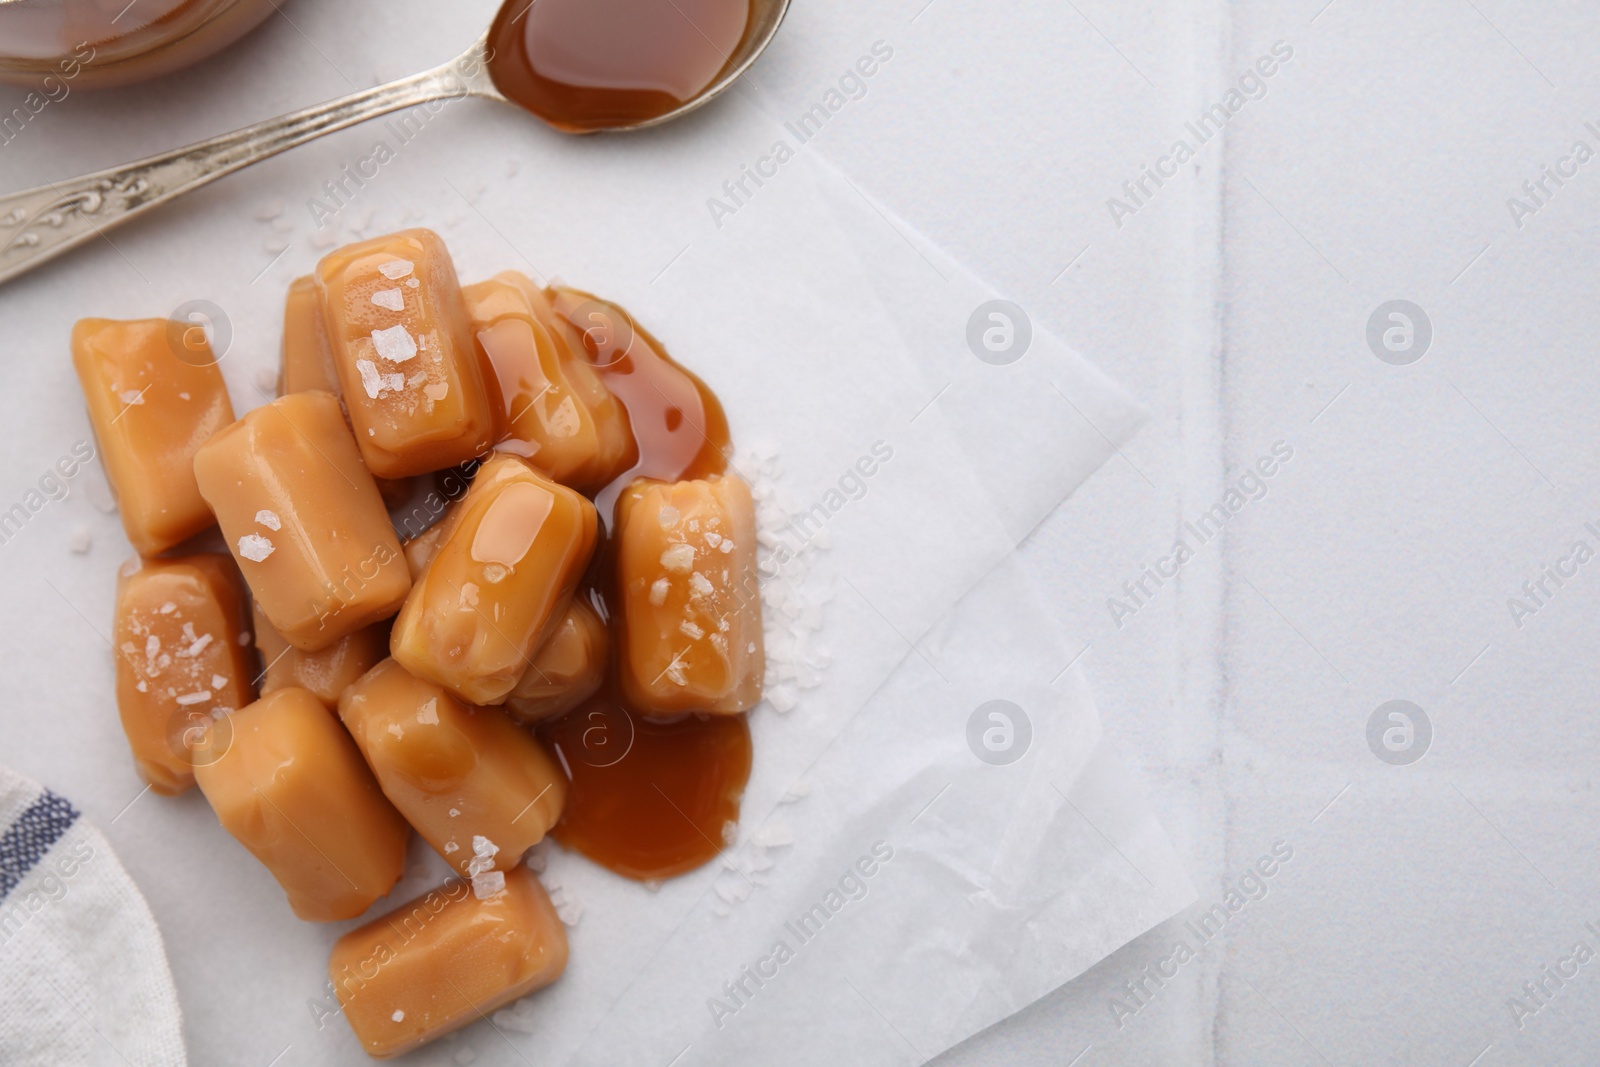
x=31, y=836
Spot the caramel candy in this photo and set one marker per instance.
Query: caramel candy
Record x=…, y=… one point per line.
x=510, y=555
x=691, y=606
x=546, y=419
x=444, y=960
x=567, y=669
x=304, y=519
x=154, y=394
x=181, y=637
x=617, y=448
x=476, y=786
x=324, y=673
x=307, y=356
x=419, y=393
x=291, y=786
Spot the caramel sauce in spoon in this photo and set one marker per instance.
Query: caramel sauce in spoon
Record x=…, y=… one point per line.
x=596, y=64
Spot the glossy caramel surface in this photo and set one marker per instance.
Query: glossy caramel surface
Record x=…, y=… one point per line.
x=592, y=64
x=307, y=358
x=182, y=644
x=304, y=520
x=505, y=565
x=444, y=960
x=286, y=781
x=456, y=772
x=154, y=395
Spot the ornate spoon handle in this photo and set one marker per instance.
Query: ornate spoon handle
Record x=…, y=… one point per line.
x=39, y=224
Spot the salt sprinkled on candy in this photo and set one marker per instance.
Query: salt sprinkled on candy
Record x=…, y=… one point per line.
x=200, y=696
x=198, y=646
x=394, y=344
x=392, y=299
x=394, y=382
x=668, y=515
x=218, y=681
x=449, y=847
x=269, y=519
x=168, y=608
x=398, y=1016
x=396, y=269
x=254, y=547
x=486, y=884
x=678, y=559
x=658, y=591
x=369, y=377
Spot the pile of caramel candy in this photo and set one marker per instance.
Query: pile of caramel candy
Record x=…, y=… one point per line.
x=397, y=680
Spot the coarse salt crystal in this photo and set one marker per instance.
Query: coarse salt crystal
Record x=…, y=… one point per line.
x=132, y=397
x=199, y=696
x=398, y=1016
x=488, y=884
x=254, y=547
x=394, y=344
x=412, y=283
x=396, y=269
x=658, y=591
x=690, y=630
x=392, y=299
x=394, y=382
x=668, y=515
x=700, y=584
x=713, y=539
x=198, y=646
x=168, y=608
x=397, y=730
x=454, y=812
x=678, y=558
x=727, y=546
x=449, y=847
x=218, y=681
x=152, y=645
x=370, y=381
x=269, y=519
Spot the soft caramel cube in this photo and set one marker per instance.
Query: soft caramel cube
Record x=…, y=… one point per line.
x=545, y=420
x=324, y=673
x=567, y=669
x=154, y=394
x=617, y=448
x=444, y=960
x=419, y=394
x=307, y=356
x=511, y=554
x=476, y=786
x=304, y=519
x=691, y=604
x=291, y=786
x=182, y=660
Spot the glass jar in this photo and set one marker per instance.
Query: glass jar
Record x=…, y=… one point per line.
x=94, y=44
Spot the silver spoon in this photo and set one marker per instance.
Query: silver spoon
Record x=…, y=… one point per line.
x=39, y=224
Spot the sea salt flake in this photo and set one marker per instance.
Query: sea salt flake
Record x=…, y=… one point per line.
x=668, y=516
x=269, y=519
x=152, y=645
x=392, y=299
x=412, y=283
x=168, y=608
x=396, y=729
x=394, y=344
x=700, y=584
x=396, y=269
x=199, y=696
x=678, y=559
x=218, y=681
x=658, y=591
x=727, y=546
x=488, y=884
x=713, y=539
x=690, y=630
x=131, y=397
x=394, y=382
x=398, y=1016
x=449, y=847
x=198, y=646
x=370, y=381
x=254, y=547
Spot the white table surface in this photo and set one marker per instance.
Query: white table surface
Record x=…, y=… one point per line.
x=1377, y=166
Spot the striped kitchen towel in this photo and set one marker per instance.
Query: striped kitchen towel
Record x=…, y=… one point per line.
x=83, y=975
